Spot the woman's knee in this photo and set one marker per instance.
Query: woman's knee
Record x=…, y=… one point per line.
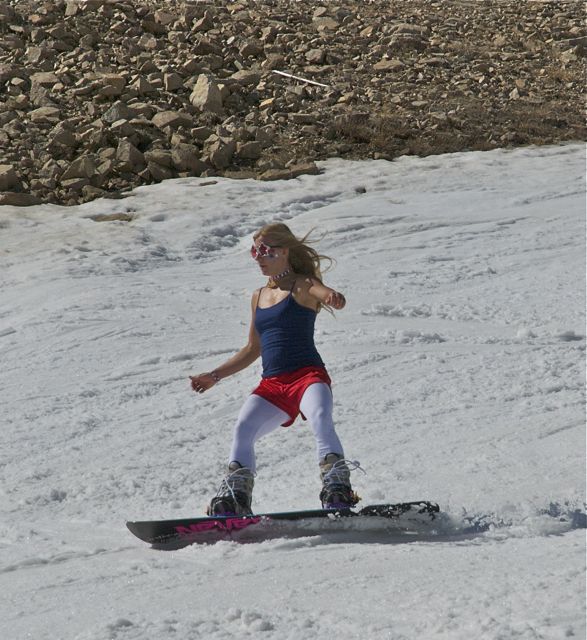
x=245, y=429
x=321, y=416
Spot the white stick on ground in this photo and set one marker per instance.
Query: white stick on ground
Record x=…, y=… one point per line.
x=289, y=75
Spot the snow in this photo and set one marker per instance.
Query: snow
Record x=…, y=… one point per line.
x=458, y=369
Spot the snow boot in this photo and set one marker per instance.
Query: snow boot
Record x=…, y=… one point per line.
x=336, y=491
x=234, y=494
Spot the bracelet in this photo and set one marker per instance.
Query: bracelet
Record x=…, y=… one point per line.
x=215, y=376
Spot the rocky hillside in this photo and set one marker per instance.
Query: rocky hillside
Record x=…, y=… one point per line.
x=98, y=96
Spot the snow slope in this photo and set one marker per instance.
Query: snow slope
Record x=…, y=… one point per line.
x=458, y=370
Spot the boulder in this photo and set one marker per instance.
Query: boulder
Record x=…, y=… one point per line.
x=82, y=167
x=186, y=157
x=45, y=79
x=159, y=172
x=389, y=66
x=172, y=119
x=8, y=177
x=249, y=150
x=161, y=157
x=250, y=87
x=246, y=77
x=172, y=81
x=118, y=111
x=221, y=152
x=251, y=48
x=19, y=199
x=129, y=158
x=275, y=174
x=111, y=85
x=62, y=136
x=206, y=95
x=45, y=115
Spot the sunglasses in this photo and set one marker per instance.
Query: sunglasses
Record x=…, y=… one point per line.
x=263, y=250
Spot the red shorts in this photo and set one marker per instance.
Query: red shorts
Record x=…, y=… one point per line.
x=286, y=389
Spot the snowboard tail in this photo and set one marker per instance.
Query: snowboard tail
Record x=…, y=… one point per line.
x=201, y=529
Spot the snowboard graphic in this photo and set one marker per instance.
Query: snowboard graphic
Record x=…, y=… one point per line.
x=406, y=517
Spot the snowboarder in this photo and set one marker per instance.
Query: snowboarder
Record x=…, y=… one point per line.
x=294, y=378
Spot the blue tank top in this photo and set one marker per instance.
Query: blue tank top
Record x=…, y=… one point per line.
x=286, y=330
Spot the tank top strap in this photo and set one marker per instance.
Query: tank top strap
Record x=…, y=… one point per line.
x=261, y=289
x=259, y=296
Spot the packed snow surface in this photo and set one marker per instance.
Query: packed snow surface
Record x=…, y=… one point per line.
x=458, y=377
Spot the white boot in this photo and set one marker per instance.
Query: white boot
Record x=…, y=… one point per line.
x=337, y=492
x=235, y=492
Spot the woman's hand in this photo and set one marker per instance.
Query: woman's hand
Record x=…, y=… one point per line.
x=336, y=300
x=202, y=382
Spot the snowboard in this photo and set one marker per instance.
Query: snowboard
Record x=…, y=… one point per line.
x=405, y=516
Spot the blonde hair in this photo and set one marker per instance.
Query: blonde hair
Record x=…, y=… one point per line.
x=303, y=258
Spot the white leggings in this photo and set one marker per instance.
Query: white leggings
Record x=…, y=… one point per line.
x=258, y=417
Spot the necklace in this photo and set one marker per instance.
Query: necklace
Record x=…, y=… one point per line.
x=273, y=280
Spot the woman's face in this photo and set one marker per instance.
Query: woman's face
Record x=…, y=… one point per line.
x=271, y=258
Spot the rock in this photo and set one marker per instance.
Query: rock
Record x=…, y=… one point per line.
x=320, y=12
x=82, y=167
x=204, y=46
x=44, y=79
x=172, y=119
x=203, y=24
x=240, y=174
x=109, y=80
x=164, y=18
x=19, y=199
x=326, y=23
x=408, y=37
x=186, y=157
x=42, y=85
x=246, y=77
x=252, y=48
x=129, y=158
x=172, y=81
x=161, y=157
x=113, y=217
x=142, y=86
x=118, y=111
x=62, y=136
x=148, y=42
x=159, y=172
x=221, y=152
x=389, y=65
x=75, y=184
x=105, y=169
x=8, y=177
x=303, y=118
x=306, y=168
x=249, y=150
x=45, y=115
x=315, y=56
x=207, y=96
x=8, y=71
x=90, y=192
x=275, y=174
x=268, y=34
x=37, y=55
x=142, y=110
x=274, y=61
x=121, y=129
x=50, y=171
x=111, y=85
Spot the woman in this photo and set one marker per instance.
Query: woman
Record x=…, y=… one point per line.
x=294, y=378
